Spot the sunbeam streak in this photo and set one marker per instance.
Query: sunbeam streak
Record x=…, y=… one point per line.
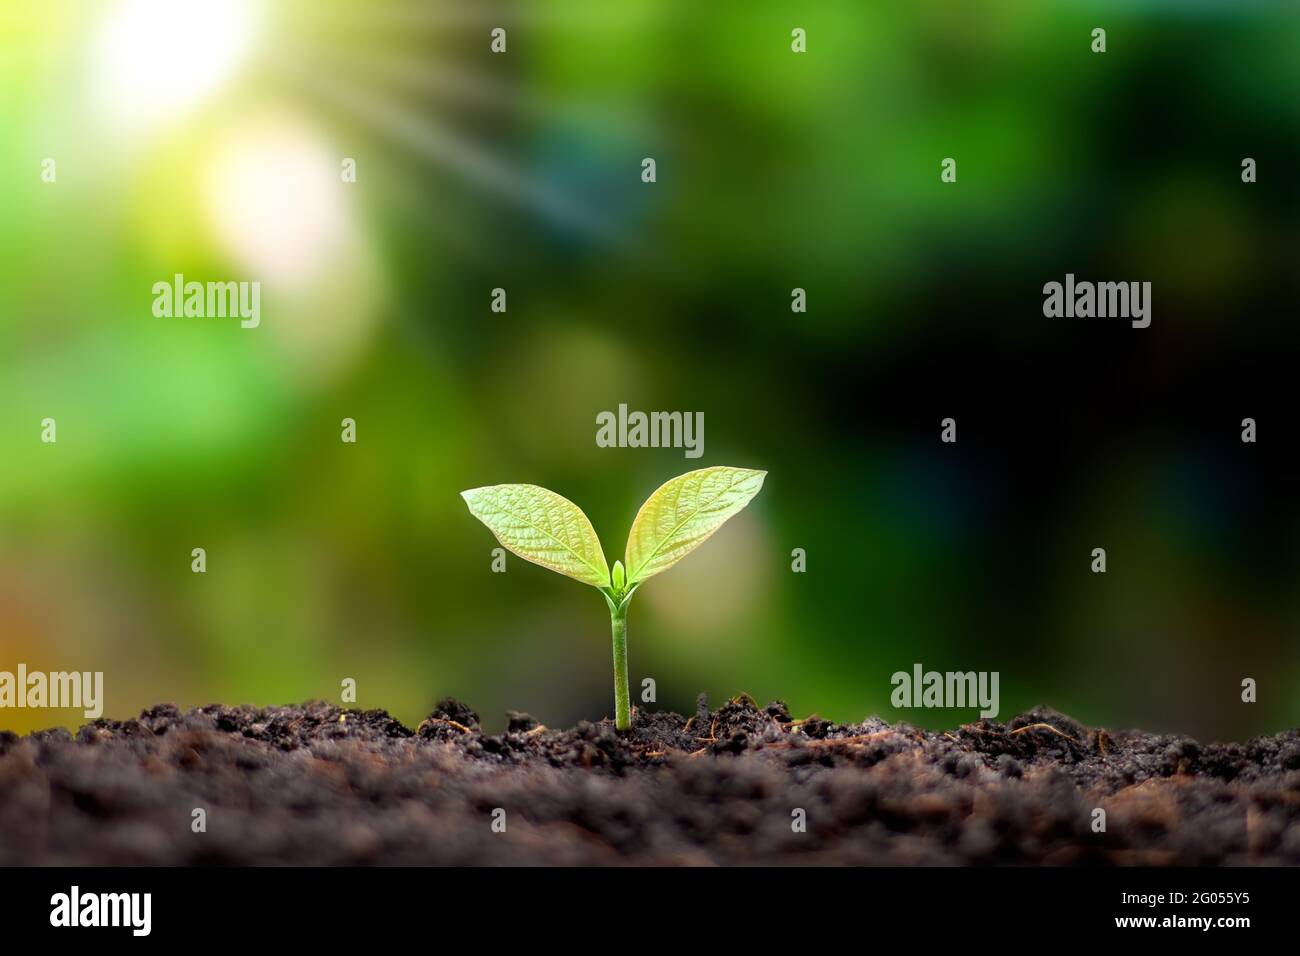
x=458, y=86
x=474, y=163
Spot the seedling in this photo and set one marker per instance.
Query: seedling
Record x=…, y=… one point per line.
x=547, y=529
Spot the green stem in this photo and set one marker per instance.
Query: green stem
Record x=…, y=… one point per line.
x=618, y=621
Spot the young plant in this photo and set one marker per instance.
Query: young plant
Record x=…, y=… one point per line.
x=547, y=529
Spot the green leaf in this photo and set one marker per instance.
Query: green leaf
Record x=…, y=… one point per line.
x=542, y=527
x=683, y=513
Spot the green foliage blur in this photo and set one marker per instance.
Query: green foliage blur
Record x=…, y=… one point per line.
x=215, y=151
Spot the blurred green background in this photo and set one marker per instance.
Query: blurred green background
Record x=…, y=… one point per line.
x=207, y=140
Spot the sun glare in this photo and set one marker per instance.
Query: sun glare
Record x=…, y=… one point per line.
x=274, y=202
x=159, y=58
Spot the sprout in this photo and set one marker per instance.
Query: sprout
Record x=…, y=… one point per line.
x=547, y=529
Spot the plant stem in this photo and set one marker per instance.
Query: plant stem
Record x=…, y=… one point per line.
x=618, y=621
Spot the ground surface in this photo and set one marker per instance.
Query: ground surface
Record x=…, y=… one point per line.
x=317, y=785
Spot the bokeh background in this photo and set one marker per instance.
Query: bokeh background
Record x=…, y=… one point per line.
x=206, y=139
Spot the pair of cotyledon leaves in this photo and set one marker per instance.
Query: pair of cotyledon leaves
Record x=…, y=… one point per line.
x=548, y=529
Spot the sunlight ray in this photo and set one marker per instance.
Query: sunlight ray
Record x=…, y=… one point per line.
x=442, y=146
x=459, y=86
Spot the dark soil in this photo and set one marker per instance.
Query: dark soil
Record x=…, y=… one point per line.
x=317, y=785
